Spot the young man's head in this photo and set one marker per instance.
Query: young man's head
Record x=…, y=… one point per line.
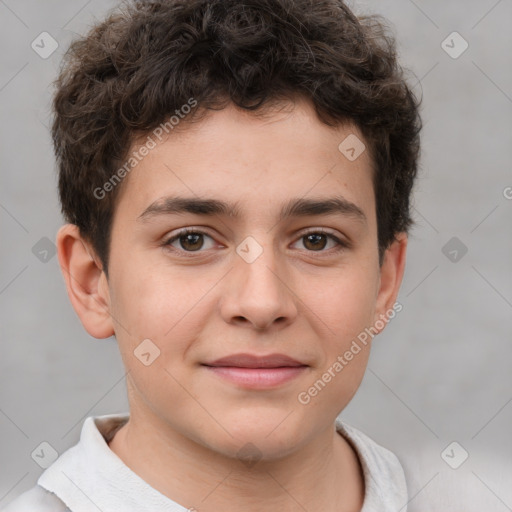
x=236, y=175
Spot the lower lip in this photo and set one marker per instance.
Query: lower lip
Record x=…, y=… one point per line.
x=258, y=378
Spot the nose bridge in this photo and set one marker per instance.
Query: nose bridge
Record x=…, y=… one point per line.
x=257, y=268
x=258, y=289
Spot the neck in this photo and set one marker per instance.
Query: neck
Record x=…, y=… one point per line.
x=322, y=475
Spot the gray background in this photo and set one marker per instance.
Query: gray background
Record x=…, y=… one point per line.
x=439, y=373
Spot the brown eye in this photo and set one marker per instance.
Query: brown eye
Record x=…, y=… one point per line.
x=315, y=241
x=318, y=241
x=188, y=241
x=191, y=241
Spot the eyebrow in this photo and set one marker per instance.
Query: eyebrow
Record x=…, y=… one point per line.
x=298, y=207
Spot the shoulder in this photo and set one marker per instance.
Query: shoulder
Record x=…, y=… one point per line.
x=36, y=499
x=385, y=484
x=379, y=459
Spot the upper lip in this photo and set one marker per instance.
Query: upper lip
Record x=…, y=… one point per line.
x=256, y=361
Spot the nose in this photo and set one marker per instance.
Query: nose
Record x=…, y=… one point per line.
x=259, y=294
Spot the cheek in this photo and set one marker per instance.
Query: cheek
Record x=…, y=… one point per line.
x=345, y=303
x=168, y=308
x=148, y=297
x=168, y=313
x=142, y=306
x=347, y=309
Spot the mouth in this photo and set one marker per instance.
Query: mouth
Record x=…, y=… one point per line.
x=256, y=372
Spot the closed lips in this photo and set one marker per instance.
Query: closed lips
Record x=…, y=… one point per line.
x=254, y=361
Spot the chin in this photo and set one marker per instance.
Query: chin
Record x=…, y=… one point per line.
x=262, y=436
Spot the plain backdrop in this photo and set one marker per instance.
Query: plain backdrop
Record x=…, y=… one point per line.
x=441, y=371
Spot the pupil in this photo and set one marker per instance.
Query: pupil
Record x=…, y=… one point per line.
x=316, y=237
x=193, y=239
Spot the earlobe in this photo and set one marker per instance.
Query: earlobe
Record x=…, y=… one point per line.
x=85, y=282
x=391, y=274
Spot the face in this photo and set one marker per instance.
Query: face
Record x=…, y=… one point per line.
x=280, y=257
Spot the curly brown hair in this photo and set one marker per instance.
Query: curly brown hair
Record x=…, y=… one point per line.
x=148, y=58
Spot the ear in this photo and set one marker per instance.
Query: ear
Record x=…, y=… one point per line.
x=391, y=274
x=86, y=282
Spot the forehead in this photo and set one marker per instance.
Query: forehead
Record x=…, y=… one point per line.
x=234, y=156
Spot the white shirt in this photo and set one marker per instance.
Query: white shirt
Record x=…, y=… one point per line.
x=90, y=477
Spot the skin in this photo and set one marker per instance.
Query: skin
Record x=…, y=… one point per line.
x=310, y=302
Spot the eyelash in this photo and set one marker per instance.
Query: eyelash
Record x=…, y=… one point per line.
x=341, y=245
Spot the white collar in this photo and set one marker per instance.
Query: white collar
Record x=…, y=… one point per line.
x=90, y=476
